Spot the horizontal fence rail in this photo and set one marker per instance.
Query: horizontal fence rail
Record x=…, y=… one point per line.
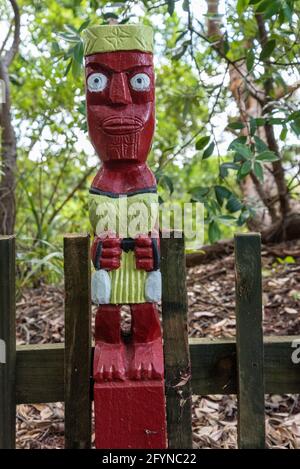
x=40, y=369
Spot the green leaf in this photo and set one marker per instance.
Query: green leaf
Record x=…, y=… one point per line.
x=214, y=232
x=244, y=216
x=295, y=126
x=276, y=121
x=241, y=140
x=260, y=121
x=222, y=193
x=226, y=45
x=241, y=6
x=71, y=38
x=288, y=12
x=294, y=116
x=243, y=150
x=185, y=5
x=236, y=125
x=165, y=180
x=267, y=49
x=226, y=219
x=111, y=15
x=84, y=25
x=252, y=126
x=267, y=155
x=202, y=142
x=181, y=51
x=260, y=144
x=283, y=134
x=233, y=205
x=199, y=193
x=250, y=59
x=180, y=36
x=68, y=68
x=268, y=8
x=71, y=29
x=245, y=168
x=272, y=9
x=78, y=52
x=171, y=7
x=224, y=169
x=76, y=68
x=258, y=171
x=208, y=151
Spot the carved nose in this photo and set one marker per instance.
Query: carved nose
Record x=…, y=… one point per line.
x=119, y=92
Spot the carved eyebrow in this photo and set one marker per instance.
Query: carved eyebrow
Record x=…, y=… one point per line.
x=106, y=67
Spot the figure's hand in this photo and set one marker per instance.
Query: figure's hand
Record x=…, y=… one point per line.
x=146, y=253
x=106, y=252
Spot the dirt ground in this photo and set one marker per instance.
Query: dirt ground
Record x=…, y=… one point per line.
x=211, y=314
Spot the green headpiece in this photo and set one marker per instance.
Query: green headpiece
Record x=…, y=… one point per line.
x=118, y=37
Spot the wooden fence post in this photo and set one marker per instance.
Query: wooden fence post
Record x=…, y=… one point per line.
x=77, y=342
x=176, y=347
x=250, y=363
x=8, y=343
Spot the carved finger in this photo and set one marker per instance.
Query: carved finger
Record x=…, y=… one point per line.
x=110, y=264
x=111, y=252
x=111, y=242
x=143, y=241
x=144, y=264
x=143, y=252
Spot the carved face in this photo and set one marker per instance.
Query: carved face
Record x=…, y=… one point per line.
x=120, y=104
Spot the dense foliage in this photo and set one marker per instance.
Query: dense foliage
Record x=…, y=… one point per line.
x=227, y=114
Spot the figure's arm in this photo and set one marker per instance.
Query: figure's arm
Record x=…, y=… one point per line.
x=106, y=252
x=147, y=253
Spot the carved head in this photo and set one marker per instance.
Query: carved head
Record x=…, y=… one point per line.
x=120, y=91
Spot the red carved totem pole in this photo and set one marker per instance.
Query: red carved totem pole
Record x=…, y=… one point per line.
x=128, y=371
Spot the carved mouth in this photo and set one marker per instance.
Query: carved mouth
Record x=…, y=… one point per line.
x=122, y=125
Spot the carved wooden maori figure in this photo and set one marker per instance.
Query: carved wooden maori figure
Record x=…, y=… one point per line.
x=128, y=373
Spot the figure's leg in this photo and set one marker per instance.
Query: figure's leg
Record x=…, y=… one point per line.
x=130, y=414
x=109, y=357
x=147, y=360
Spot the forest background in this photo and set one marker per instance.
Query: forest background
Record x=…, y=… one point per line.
x=228, y=119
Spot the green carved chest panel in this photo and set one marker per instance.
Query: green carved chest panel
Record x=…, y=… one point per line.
x=126, y=217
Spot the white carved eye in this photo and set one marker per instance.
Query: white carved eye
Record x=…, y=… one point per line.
x=140, y=82
x=96, y=82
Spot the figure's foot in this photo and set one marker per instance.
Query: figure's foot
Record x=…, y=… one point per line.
x=109, y=362
x=147, y=361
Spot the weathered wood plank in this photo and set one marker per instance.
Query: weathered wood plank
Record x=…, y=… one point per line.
x=8, y=343
x=37, y=365
x=249, y=342
x=77, y=342
x=213, y=369
x=176, y=349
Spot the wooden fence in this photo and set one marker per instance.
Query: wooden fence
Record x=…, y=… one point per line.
x=249, y=367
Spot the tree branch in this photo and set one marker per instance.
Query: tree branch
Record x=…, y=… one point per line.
x=6, y=39
x=10, y=54
x=70, y=195
x=278, y=170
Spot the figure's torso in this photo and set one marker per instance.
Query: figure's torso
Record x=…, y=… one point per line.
x=126, y=216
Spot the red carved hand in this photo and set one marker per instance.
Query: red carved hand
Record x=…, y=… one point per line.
x=106, y=252
x=144, y=253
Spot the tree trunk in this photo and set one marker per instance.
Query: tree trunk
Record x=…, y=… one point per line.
x=271, y=199
x=8, y=136
x=8, y=163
